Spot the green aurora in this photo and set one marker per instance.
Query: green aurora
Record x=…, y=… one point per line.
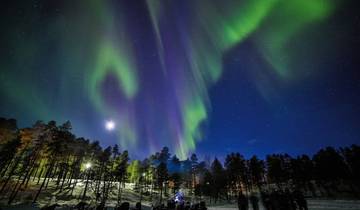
x=93, y=42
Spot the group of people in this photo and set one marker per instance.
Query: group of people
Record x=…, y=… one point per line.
x=275, y=200
x=172, y=205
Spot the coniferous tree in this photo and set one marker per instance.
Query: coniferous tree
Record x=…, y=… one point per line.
x=161, y=176
x=218, y=179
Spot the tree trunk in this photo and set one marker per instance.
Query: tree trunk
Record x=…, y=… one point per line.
x=86, y=184
x=119, y=193
x=12, y=171
x=36, y=171
x=8, y=164
x=74, y=185
x=64, y=178
x=29, y=177
x=39, y=177
x=16, y=189
x=43, y=183
x=161, y=190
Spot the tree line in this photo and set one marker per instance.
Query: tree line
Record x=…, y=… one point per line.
x=48, y=155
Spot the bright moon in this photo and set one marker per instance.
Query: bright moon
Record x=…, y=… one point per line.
x=110, y=125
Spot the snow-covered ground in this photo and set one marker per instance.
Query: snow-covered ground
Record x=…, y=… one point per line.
x=51, y=196
x=334, y=204
x=313, y=205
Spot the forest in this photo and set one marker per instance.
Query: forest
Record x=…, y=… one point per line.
x=48, y=158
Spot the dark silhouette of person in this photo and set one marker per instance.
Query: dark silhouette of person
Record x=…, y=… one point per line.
x=266, y=200
x=125, y=206
x=171, y=204
x=52, y=207
x=81, y=205
x=203, y=205
x=289, y=198
x=195, y=206
x=300, y=200
x=275, y=200
x=187, y=206
x=138, y=206
x=243, y=203
x=254, y=202
x=180, y=206
x=101, y=206
x=283, y=200
x=158, y=207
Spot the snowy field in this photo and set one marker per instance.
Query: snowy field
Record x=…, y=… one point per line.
x=313, y=205
x=129, y=195
x=334, y=204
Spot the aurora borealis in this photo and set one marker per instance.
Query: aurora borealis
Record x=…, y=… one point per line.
x=173, y=73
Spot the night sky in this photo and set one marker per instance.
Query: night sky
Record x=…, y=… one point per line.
x=210, y=77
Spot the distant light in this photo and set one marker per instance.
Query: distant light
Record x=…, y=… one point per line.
x=110, y=125
x=88, y=165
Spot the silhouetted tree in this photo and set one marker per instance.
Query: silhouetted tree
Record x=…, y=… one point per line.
x=218, y=179
x=330, y=168
x=277, y=169
x=162, y=177
x=121, y=164
x=236, y=172
x=302, y=170
x=53, y=156
x=257, y=171
x=352, y=157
